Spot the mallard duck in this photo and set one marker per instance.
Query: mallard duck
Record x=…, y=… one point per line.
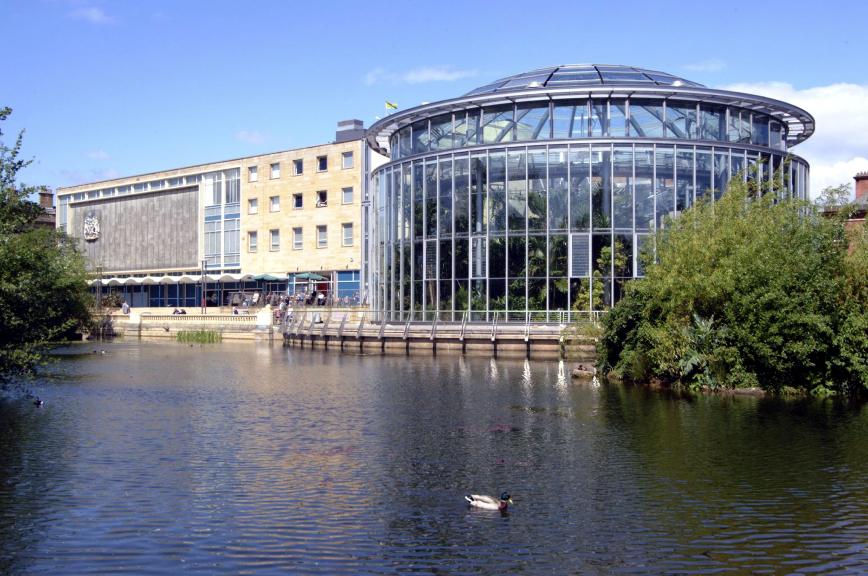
x=489, y=502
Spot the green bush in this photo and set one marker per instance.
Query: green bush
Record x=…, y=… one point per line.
x=749, y=291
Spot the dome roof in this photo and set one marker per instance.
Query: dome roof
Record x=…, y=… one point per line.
x=583, y=75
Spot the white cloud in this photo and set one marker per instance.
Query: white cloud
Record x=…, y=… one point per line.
x=420, y=75
x=839, y=146
x=251, y=136
x=98, y=155
x=91, y=14
x=711, y=65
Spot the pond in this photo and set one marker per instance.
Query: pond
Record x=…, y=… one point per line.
x=160, y=458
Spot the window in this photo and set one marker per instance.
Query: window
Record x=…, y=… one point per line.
x=297, y=201
x=252, y=174
x=322, y=198
x=347, y=160
x=252, y=240
x=233, y=186
x=322, y=240
x=297, y=239
x=298, y=167
x=322, y=163
x=275, y=240
x=274, y=203
x=275, y=170
x=347, y=195
x=347, y=234
x=253, y=206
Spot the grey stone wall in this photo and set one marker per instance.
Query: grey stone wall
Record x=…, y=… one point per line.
x=141, y=232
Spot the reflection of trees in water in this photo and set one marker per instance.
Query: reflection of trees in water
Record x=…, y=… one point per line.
x=715, y=464
x=30, y=467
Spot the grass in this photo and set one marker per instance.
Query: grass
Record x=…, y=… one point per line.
x=199, y=336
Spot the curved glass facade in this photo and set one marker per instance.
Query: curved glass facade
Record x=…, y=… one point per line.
x=536, y=209
x=588, y=118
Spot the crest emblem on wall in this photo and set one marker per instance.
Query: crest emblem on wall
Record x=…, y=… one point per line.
x=91, y=227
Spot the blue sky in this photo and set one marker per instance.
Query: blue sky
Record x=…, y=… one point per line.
x=107, y=89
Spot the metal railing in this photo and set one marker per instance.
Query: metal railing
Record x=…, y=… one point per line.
x=559, y=317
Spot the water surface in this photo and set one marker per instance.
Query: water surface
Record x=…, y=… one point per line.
x=162, y=458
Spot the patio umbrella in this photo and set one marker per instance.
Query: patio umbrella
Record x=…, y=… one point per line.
x=309, y=276
x=267, y=278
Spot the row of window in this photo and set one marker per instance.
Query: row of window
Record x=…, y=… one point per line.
x=298, y=201
x=298, y=238
x=588, y=118
x=322, y=165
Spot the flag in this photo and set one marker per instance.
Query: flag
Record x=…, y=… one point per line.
x=391, y=105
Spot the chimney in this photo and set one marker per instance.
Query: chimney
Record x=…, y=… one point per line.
x=861, y=186
x=46, y=197
x=350, y=130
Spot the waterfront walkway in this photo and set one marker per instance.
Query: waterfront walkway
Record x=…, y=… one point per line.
x=362, y=330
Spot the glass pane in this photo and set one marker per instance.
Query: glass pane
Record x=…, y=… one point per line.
x=557, y=255
x=536, y=256
x=622, y=187
x=497, y=293
x=681, y=121
x=441, y=132
x=462, y=191
x=599, y=117
x=664, y=188
x=536, y=193
x=581, y=121
x=532, y=123
x=646, y=119
x=444, y=210
x=601, y=188
x=703, y=173
x=431, y=199
x=459, y=133
x=478, y=199
x=462, y=258
x=444, y=259
x=644, y=188
x=404, y=145
x=580, y=189
x=497, y=257
x=558, y=190
x=760, y=130
x=517, y=191
x=420, y=137
x=497, y=191
x=721, y=172
x=738, y=164
x=562, y=121
x=517, y=295
x=418, y=199
x=684, y=179
x=713, y=122
x=516, y=257
x=497, y=124
x=617, y=118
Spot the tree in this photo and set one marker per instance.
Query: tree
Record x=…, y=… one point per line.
x=43, y=285
x=747, y=292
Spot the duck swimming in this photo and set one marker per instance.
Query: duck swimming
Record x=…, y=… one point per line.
x=489, y=502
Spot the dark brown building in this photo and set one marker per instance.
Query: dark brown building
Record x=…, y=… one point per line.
x=46, y=201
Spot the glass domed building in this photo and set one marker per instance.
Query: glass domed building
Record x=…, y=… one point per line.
x=534, y=194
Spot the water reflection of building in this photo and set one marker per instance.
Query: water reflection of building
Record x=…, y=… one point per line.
x=535, y=194
x=285, y=220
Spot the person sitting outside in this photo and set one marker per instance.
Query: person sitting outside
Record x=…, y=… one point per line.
x=235, y=310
